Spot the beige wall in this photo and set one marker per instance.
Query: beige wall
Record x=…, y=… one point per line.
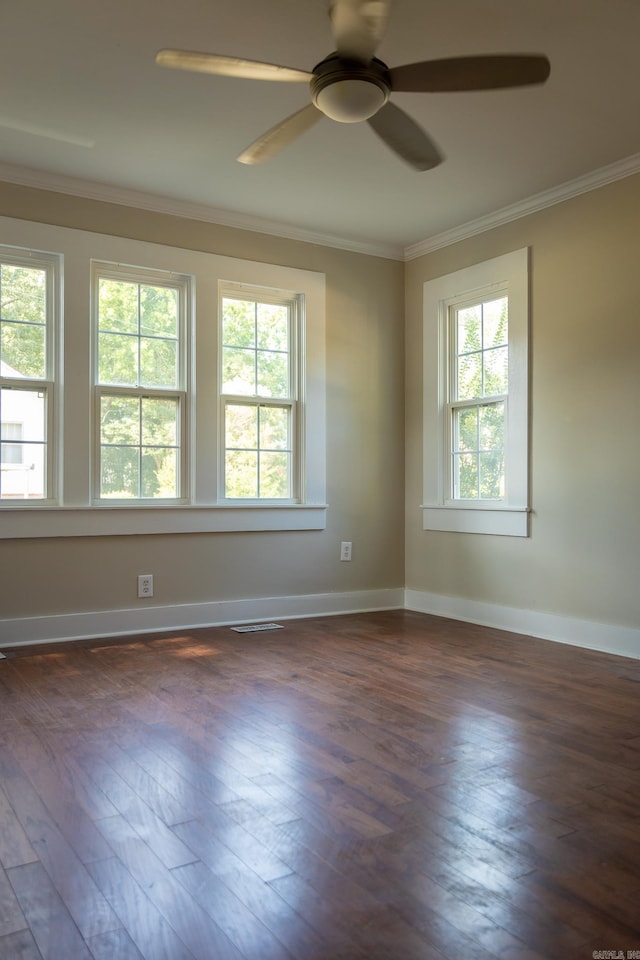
x=365, y=446
x=582, y=559
x=583, y=556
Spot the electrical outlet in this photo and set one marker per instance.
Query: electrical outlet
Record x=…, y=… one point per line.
x=345, y=550
x=145, y=585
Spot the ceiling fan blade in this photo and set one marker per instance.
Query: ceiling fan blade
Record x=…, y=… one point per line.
x=405, y=137
x=280, y=136
x=358, y=26
x=229, y=66
x=471, y=73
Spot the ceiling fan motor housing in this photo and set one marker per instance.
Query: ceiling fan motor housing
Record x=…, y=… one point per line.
x=350, y=91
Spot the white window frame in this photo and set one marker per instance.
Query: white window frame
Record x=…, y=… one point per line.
x=480, y=282
x=51, y=263
x=182, y=285
x=294, y=301
x=75, y=512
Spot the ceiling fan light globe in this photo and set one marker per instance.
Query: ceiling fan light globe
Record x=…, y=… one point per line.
x=350, y=101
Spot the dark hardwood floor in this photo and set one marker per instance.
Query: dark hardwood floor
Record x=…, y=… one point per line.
x=388, y=785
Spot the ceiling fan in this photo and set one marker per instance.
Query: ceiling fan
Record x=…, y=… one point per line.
x=352, y=85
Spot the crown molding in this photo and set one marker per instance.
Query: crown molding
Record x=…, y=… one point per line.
x=90, y=190
x=548, y=198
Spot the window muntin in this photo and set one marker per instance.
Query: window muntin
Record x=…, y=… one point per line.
x=478, y=397
x=259, y=394
x=141, y=396
x=28, y=283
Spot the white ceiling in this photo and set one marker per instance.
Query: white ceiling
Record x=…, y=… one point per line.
x=81, y=97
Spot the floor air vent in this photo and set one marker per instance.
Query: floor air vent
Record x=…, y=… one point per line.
x=257, y=627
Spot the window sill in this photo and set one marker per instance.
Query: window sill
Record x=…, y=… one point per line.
x=499, y=521
x=107, y=520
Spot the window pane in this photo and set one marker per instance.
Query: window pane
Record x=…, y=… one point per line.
x=274, y=475
x=120, y=420
x=22, y=469
x=158, y=363
x=495, y=323
x=469, y=329
x=139, y=447
x=496, y=371
x=273, y=374
x=492, y=427
x=492, y=475
x=274, y=428
x=469, y=378
x=238, y=323
x=160, y=422
x=159, y=473
x=466, y=429
x=23, y=293
x=22, y=350
x=119, y=472
x=238, y=372
x=273, y=326
x=159, y=311
x=465, y=466
x=118, y=360
x=118, y=306
x=36, y=457
x=241, y=427
x=241, y=474
x=11, y=452
x=23, y=445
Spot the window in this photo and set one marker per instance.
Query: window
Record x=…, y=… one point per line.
x=260, y=394
x=478, y=394
x=475, y=399
x=27, y=332
x=194, y=389
x=140, y=394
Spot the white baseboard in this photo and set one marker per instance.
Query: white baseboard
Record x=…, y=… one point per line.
x=606, y=637
x=190, y=616
x=609, y=638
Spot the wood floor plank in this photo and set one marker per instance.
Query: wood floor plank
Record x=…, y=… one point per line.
x=145, y=925
x=286, y=923
x=12, y=919
x=196, y=929
x=114, y=945
x=47, y=799
x=64, y=868
x=136, y=811
x=151, y=790
x=233, y=917
x=15, y=848
x=19, y=946
x=55, y=933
